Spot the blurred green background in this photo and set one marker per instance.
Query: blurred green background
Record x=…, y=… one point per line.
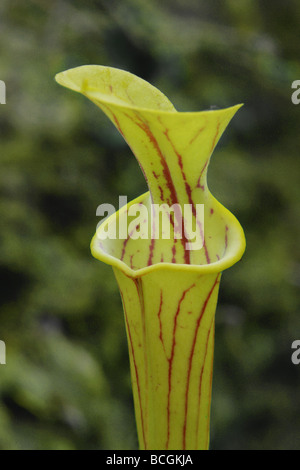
x=66, y=384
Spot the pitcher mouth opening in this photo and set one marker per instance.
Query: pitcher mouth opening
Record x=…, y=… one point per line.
x=111, y=251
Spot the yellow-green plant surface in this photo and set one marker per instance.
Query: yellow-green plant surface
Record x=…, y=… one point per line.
x=169, y=291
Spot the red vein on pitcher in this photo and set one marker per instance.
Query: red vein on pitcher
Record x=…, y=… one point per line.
x=192, y=356
x=170, y=360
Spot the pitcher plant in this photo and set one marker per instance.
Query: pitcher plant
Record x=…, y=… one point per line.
x=169, y=284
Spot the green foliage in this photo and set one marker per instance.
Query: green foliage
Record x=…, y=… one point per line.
x=66, y=384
